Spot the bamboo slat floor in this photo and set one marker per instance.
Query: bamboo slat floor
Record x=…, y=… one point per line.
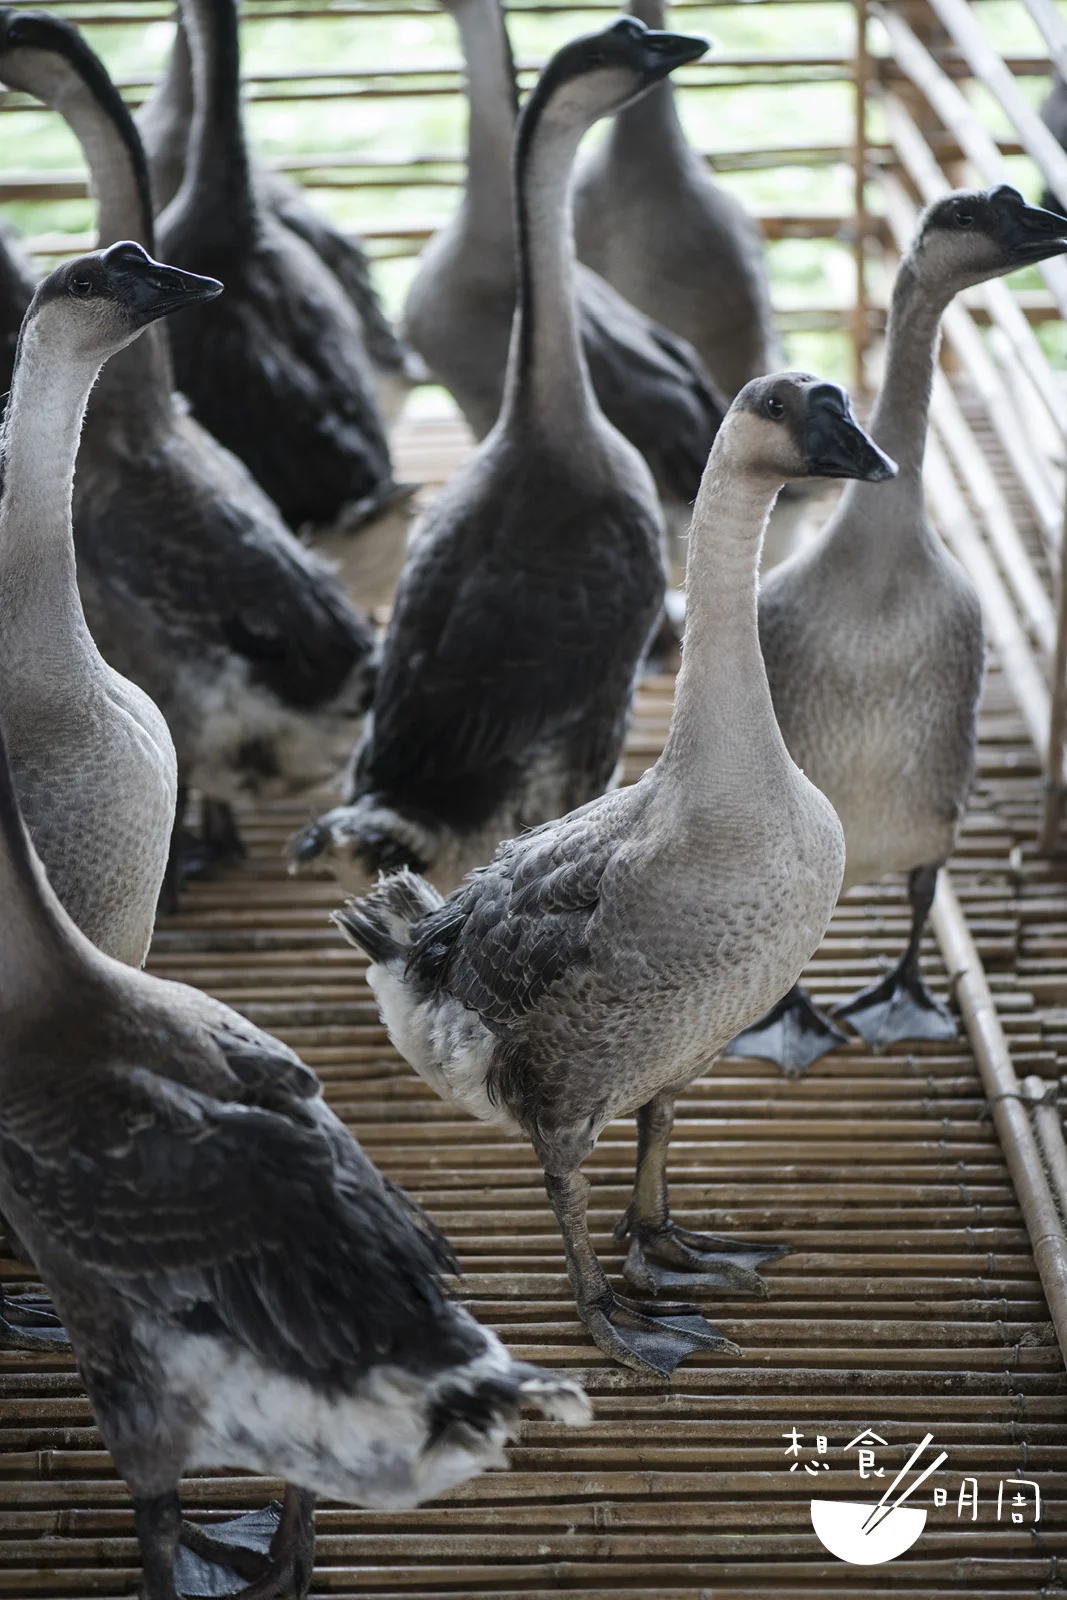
x=911, y=1302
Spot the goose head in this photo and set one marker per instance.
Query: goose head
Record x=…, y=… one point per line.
x=790, y=425
x=38, y=53
x=98, y=303
x=598, y=74
x=978, y=234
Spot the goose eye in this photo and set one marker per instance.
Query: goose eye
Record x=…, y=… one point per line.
x=774, y=408
x=964, y=219
x=81, y=288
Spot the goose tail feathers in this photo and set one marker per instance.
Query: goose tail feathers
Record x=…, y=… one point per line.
x=485, y=1401
x=380, y=923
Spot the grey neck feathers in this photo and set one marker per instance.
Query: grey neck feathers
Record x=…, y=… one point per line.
x=134, y=393
x=487, y=204
x=216, y=196
x=40, y=948
x=164, y=121
x=723, y=728
x=899, y=423
x=547, y=373
x=41, y=618
x=644, y=131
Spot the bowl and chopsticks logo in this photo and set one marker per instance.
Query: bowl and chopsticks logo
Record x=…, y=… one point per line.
x=866, y=1535
x=869, y=1533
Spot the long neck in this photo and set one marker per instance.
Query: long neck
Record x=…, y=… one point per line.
x=723, y=724
x=39, y=593
x=650, y=126
x=164, y=121
x=40, y=948
x=134, y=392
x=899, y=423
x=216, y=194
x=492, y=98
x=547, y=374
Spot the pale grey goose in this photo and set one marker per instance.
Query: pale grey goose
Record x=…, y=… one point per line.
x=459, y=309
x=91, y=754
x=533, y=584
x=652, y=221
x=602, y=962
x=193, y=585
x=873, y=636
x=241, y=1286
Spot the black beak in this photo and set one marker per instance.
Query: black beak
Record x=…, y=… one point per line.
x=836, y=445
x=661, y=53
x=1027, y=233
x=148, y=289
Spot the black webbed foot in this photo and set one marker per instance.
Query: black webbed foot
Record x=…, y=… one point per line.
x=794, y=1033
x=898, y=1008
x=267, y=1555
x=651, y=1338
x=665, y=1256
x=28, y=1322
x=223, y=1558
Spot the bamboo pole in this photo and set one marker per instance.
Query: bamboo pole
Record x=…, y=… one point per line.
x=1055, y=789
x=1053, y=30
x=977, y=145
x=1004, y=1093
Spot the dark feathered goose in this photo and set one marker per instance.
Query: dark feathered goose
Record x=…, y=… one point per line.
x=873, y=637
x=193, y=585
x=279, y=375
x=459, y=311
x=164, y=123
x=241, y=1287
x=600, y=963
x=533, y=583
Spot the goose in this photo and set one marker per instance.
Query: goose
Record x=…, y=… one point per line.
x=873, y=638
x=278, y=373
x=651, y=220
x=91, y=754
x=194, y=586
x=240, y=1285
x=164, y=122
x=534, y=583
x=459, y=308
x=601, y=962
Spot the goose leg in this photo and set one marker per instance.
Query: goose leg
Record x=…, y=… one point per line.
x=794, y=1033
x=648, y=1338
x=900, y=1006
x=157, y=1522
x=665, y=1256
